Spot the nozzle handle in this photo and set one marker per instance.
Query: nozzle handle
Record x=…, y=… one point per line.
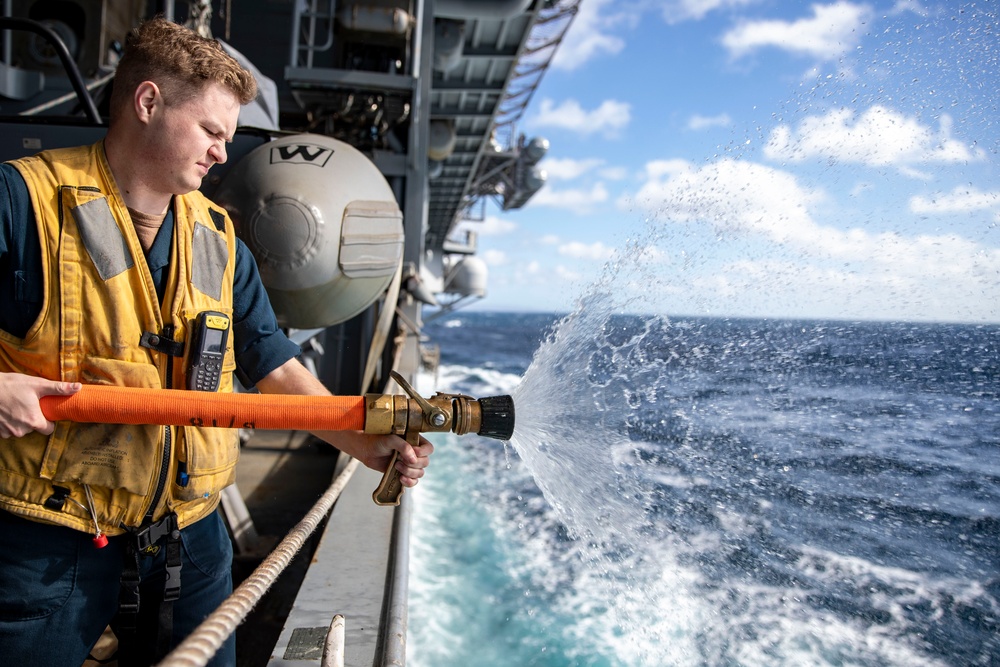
x=390, y=489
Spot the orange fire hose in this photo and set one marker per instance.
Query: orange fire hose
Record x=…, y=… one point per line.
x=101, y=404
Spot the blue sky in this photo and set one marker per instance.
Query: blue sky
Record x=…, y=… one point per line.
x=763, y=158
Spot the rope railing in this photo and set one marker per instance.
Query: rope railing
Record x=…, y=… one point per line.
x=199, y=647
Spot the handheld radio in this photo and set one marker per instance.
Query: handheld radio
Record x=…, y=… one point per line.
x=206, y=349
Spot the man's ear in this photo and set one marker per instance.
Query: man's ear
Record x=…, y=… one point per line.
x=147, y=101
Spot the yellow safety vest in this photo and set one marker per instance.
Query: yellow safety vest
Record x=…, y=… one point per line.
x=99, y=300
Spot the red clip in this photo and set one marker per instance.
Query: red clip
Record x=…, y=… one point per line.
x=100, y=541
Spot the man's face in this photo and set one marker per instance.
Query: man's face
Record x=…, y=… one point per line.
x=187, y=138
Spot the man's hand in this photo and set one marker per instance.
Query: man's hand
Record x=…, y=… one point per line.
x=372, y=450
x=20, y=412
x=375, y=452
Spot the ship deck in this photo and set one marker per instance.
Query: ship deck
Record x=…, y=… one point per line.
x=281, y=474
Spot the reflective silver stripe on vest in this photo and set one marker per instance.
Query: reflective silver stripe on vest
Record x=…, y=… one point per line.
x=105, y=243
x=209, y=256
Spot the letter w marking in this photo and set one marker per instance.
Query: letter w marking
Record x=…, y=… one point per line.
x=301, y=154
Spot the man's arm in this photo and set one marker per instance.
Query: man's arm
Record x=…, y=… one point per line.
x=374, y=451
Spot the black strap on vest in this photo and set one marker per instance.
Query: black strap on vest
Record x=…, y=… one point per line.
x=128, y=593
x=171, y=591
x=145, y=542
x=162, y=342
x=58, y=498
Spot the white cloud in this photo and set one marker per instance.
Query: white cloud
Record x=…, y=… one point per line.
x=652, y=253
x=910, y=278
x=738, y=197
x=608, y=118
x=699, y=122
x=732, y=195
x=567, y=169
x=593, y=251
x=589, y=36
x=959, y=200
x=549, y=239
x=771, y=285
x=494, y=257
x=914, y=6
x=832, y=31
x=522, y=279
x=677, y=11
x=916, y=174
x=658, y=169
x=579, y=201
x=878, y=137
x=568, y=275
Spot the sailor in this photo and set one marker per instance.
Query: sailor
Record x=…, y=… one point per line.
x=107, y=254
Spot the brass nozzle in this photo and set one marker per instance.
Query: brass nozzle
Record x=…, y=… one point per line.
x=409, y=416
x=491, y=417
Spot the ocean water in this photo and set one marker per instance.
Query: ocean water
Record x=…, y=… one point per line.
x=696, y=491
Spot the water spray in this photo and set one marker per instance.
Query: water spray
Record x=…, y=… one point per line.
x=406, y=415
